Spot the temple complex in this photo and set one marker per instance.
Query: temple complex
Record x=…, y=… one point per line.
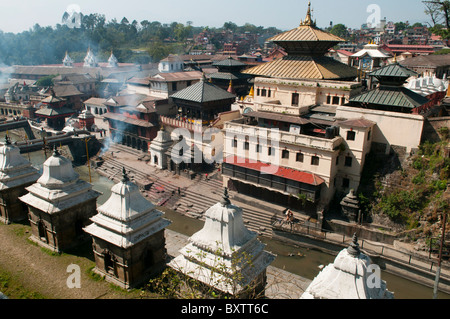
x=288, y=121
x=128, y=237
x=54, y=111
x=351, y=276
x=225, y=255
x=16, y=173
x=229, y=75
x=59, y=205
x=199, y=107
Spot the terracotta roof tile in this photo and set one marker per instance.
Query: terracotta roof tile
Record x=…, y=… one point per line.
x=288, y=173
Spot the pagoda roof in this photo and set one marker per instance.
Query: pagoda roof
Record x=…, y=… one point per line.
x=229, y=62
x=304, y=67
x=391, y=96
x=306, y=39
x=59, y=111
x=229, y=76
x=306, y=33
x=202, y=92
x=393, y=70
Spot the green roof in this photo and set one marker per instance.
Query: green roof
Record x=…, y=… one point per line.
x=229, y=76
x=393, y=70
x=230, y=62
x=391, y=96
x=202, y=92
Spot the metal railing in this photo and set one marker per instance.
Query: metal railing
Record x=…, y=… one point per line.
x=424, y=263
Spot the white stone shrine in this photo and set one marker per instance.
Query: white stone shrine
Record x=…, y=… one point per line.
x=225, y=255
x=128, y=236
x=349, y=277
x=60, y=205
x=16, y=173
x=158, y=148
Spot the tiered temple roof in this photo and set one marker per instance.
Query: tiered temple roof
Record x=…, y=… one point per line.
x=306, y=46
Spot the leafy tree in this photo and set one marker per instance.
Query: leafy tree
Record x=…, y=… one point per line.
x=340, y=30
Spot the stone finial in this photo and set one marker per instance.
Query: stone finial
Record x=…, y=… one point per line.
x=225, y=199
x=353, y=249
x=125, y=177
x=7, y=140
x=55, y=151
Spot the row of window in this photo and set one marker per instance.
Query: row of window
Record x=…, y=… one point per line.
x=285, y=154
x=264, y=92
x=299, y=156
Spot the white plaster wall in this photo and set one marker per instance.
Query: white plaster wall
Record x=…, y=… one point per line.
x=392, y=128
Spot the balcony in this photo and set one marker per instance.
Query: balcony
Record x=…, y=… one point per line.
x=282, y=109
x=238, y=128
x=192, y=125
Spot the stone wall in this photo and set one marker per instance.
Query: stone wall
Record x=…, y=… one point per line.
x=61, y=230
x=432, y=127
x=364, y=232
x=128, y=268
x=11, y=208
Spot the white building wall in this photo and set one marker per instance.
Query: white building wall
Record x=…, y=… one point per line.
x=392, y=129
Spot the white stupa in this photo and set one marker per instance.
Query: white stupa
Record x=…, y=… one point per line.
x=16, y=173
x=67, y=60
x=90, y=61
x=214, y=255
x=112, y=61
x=349, y=277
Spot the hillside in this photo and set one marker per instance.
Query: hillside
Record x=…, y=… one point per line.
x=409, y=195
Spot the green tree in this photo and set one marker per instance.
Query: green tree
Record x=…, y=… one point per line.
x=340, y=30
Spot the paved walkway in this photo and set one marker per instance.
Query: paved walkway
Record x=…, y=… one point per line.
x=280, y=284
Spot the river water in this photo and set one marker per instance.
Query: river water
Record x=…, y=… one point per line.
x=295, y=259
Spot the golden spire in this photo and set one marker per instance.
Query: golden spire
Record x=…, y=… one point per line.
x=308, y=20
x=252, y=91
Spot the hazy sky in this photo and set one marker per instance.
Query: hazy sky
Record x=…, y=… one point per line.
x=20, y=15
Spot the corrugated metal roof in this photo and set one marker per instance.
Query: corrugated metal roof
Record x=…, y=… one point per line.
x=391, y=96
x=230, y=62
x=304, y=67
x=202, y=92
x=228, y=76
x=305, y=33
x=46, y=111
x=393, y=70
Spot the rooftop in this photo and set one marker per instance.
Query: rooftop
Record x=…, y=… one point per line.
x=202, y=92
x=304, y=67
x=288, y=173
